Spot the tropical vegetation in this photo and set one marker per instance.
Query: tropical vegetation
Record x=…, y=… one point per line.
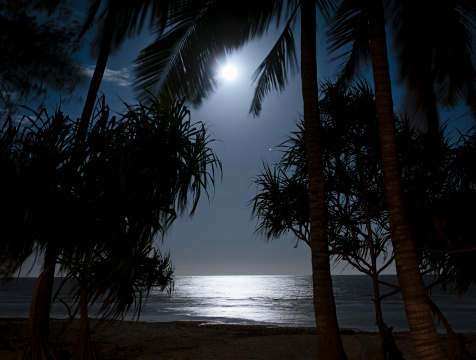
x=358, y=226
x=67, y=157
x=357, y=220
x=361, y=26
x=99, y=221
x=181, y=62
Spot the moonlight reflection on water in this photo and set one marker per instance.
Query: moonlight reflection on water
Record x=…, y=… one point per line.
x=270, y=300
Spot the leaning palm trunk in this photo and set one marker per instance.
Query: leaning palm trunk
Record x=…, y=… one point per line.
x=329, y=344
x=97, y=76
x=422, y=328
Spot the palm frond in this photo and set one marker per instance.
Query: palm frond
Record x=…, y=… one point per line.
x=182, y=62
x=436, y=47
x=326, y=7
x=348, y=29
x=126, y=19
x=272, y=73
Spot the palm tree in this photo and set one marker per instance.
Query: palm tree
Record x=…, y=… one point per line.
x=117, y=20
x=362, y=25
x=438, y=190
x=357, y=222
x=181, y=63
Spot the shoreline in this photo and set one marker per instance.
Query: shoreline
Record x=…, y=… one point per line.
x=201, y=340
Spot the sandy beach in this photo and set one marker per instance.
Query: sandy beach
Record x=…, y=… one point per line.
x=203, y=341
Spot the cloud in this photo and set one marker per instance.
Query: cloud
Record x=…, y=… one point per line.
x=121, y=77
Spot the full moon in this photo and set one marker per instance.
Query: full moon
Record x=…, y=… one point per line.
x=229, y=72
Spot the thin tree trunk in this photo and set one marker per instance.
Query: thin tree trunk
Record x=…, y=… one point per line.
x=329, y=344
x=378, y=316
x=388, y=348
x=97, y=75
x=85, y=349
x=422, y=329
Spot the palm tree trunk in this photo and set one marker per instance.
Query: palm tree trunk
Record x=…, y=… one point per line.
x=329, y=344
x=97, y=75
x=422, y=329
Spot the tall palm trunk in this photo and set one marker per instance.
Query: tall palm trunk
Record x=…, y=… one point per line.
x=98, y=74
x=329, y=344
x=422, y=329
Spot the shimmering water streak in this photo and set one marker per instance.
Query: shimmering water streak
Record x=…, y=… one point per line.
x=274, y=300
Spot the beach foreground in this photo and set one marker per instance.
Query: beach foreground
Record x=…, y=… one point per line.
x=199, y=340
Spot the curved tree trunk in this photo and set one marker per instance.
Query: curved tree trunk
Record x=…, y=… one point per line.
x=39, y=321
x=97, y=75
x=329, y=344
x=422, y=328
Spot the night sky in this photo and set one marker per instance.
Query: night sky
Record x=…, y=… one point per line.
x=219, y=239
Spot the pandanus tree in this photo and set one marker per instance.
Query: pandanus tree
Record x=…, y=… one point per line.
x=439, y=188
x=137, y=175
x=37, y=207
x=357, y=223
x=438, y=202
x=361, y=27
x=182, y=63
x=145, y=168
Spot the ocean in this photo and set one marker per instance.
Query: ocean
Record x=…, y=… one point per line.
x=270, y=300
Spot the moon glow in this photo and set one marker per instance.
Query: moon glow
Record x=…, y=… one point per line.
x=229, y=72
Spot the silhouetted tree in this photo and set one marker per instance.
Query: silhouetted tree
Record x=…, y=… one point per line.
x=438, y=202
x=357, y=221
x=439, y=190
x=116, y=21
x=361, y=27
x=137, y=175
x=37, y=207
x=181, y=63
x=145, y=169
